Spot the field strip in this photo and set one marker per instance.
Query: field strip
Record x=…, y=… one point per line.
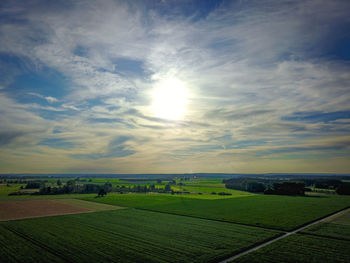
x=94, y=206
x=284, y=235
x=14, y=210
x=325, y=236
x=211, y=219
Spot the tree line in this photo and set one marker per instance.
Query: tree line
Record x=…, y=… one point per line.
x=274, y=186
x=71, y=187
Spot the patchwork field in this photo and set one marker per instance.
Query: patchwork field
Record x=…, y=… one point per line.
x=12, y=210
x=338, y=227
x=300, y=248
x=271, y=211
x=131, y=235
x=196, y=227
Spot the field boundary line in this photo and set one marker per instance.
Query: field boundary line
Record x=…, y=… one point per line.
x=324, y=236
x=38, y=243
x=283, y=236
x=321, y=218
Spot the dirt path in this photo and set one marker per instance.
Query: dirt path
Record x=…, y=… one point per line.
x=327, y=218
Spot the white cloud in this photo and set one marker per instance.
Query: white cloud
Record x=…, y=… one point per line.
x=47, y=98
x=245, y=68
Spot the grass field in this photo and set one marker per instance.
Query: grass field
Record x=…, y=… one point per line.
x=131, y=235
x=210, y=189
x=5, y=190
x=299, y=249
x=338, y=227
x=279, y=212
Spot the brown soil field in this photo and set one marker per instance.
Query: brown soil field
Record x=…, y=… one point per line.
x=12, y=210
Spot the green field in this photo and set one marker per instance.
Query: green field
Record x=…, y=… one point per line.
x=210, y=189
x=131, y=235
x=299, y=248
x=339, y=227
x=272, y=211
x=14, y=248
x=5, y=190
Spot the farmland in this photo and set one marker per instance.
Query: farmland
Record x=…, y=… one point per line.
x=131, y=235
x=14, y=248
x=338, y=227
x=278, y=212
x=12, y=210
x=300, y=248
x=190, y=223
x=6, y=189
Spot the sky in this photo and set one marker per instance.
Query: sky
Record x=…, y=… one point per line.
x=175, y=86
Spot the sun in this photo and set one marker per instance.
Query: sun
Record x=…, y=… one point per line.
x=169, y=99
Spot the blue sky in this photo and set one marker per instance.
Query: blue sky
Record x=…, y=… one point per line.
x=174, y=86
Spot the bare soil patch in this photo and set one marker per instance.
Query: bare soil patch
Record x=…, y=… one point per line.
x=12, y=210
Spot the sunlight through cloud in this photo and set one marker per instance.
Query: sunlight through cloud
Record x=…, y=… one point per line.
x=169, y=99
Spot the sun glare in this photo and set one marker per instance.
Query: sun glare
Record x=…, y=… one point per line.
x=170, y=99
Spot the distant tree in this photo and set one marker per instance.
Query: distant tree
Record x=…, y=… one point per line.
x=70, y=186
x=343, y=189
x=102, y=192
x=173, y=182
x=108, y=187
x=167, y=188
x=159, y=181
x=33, y=185
x=59, y=183
x=287, y=188
x=255, y=187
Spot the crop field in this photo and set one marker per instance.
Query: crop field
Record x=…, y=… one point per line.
x=131, y=235
x=14, y=248
x=338, y=227
x=300, y=248
x=271, y=211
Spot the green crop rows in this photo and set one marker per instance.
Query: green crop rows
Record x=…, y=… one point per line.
x=339, y=228
x=299, y=249
x=132, y=235
x=279, y=212
x=330, y=230
x=14, y=248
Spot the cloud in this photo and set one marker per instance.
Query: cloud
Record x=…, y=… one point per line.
x=47, y=98
x=317, y=116
x=6, y=137
x=262, y=76
x=115, y=149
